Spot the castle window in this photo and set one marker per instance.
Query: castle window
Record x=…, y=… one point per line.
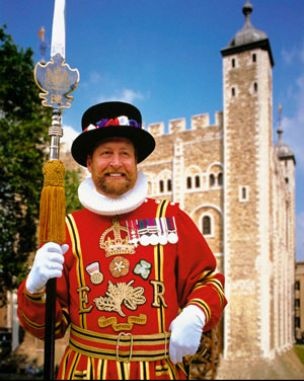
x=220, y=179
x=254, y=57
x=233, y=62
x=193, y=178
x=243, y=193
x=197, y=181
x=149, y=187
x=255, y=87
x=163, y=182
x=189, y=182
x=169, y=185
x=206, y=225
x=211, y=180
x=233, y=91
x=297, y=303
x=161, y=186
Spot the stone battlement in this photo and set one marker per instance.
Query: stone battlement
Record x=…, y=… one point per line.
x=175, y=126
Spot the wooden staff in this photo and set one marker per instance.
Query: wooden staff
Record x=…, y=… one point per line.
x=56, y=80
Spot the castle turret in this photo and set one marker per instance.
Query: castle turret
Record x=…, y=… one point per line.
x=247, y=95
x=258, y=321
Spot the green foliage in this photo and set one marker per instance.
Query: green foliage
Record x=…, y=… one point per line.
x=23, y=134
x=299, y=349
x=72, y=180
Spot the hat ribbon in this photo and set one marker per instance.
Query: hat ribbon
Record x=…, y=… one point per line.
x=119, y=121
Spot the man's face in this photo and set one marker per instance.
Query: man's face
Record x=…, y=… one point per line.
x=113, y=166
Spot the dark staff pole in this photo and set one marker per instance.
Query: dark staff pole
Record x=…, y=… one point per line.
x=56, y=80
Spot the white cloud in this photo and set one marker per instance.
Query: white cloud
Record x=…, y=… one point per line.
x=125, y=95
x=69, y=134
x=293, y=54
x=94, y=78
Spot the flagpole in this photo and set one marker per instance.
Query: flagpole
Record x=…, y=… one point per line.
x=56, y=80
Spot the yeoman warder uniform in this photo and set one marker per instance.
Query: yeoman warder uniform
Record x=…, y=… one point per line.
x=133, y=263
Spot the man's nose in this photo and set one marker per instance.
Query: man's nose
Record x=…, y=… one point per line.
x=115, y=161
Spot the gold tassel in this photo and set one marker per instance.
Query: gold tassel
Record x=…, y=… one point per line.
x=52, y=204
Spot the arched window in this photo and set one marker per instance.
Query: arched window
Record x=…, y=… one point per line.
x=189, y=182
x=161, y=186
x=169, y=185
x=206, y=225
x=211, y=180
x=220, y=178
x=197, y=181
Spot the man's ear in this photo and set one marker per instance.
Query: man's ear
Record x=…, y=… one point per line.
x=89, y=162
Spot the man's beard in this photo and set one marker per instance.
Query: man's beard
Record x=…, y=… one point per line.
x=114, y=188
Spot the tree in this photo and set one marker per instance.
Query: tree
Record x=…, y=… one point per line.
x=71, y=181
x=24, y=135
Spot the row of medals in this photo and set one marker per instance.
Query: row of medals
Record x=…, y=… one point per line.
x=152, y=231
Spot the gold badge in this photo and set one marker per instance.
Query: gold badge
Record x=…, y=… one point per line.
x=115, y=240
x=119, y=267
x=121, y=295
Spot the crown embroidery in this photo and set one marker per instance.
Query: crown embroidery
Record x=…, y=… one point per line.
x=115, y=240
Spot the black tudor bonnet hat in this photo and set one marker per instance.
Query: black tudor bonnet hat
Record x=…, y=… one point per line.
x=111, y=119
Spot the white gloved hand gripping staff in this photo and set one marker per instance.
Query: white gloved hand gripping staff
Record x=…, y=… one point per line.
x=48, y=263
x=186, y=331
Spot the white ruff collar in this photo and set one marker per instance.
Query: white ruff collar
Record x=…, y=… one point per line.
x=101, y=204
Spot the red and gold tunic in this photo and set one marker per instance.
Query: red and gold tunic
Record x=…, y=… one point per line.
x=125, y=279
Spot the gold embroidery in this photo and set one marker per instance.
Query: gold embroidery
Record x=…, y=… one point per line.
x=83, y=299
x=119, y=266
x=159, y=290
x=141, y=319
x=112, y=241
x=122, y=327
x=120, y=294
x=104, y=322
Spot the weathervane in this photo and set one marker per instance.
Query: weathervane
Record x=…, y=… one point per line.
x=56, y=80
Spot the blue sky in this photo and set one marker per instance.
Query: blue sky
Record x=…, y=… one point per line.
x=164, y=56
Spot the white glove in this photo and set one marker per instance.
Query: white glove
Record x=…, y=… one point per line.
x=48, y=263
x=186, y=331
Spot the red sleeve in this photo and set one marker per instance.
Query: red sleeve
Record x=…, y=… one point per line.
x=199, y=282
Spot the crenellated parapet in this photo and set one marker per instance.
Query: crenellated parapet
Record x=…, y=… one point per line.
x=178, y=125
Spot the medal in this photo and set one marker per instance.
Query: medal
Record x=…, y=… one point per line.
x=152, y=230
x=133, y=234
x=143, y=232
x=96, y=278
x=171, y=229
x=162, y=236
x=93, y=270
